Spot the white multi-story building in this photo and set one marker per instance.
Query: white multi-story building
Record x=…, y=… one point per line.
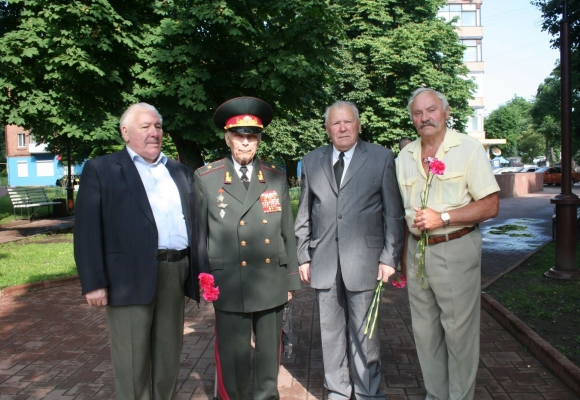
x=470, y=31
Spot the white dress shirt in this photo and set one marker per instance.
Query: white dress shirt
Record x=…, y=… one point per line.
x=164, y=200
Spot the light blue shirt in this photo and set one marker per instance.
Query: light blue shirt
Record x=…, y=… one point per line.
x=347, y=158
x=164, y=200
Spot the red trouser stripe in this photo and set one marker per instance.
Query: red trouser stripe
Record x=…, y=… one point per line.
x=218, y=370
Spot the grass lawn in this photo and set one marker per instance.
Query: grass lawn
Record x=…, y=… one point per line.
x=551, y=307
x=36, y=259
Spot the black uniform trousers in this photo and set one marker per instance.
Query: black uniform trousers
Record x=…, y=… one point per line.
x=233, y=353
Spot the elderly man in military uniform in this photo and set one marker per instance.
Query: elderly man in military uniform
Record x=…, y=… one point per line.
x=247, y=217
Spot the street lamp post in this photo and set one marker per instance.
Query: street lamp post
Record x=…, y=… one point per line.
x=566, y=202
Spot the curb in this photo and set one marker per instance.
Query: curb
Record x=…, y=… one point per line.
x=20, y=290
x=559, y=364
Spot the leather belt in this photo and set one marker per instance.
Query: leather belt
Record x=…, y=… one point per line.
x=171, y=255
x=446, y=238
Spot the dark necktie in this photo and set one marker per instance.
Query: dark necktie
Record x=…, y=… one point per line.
x=245, y=180
x=339, y=169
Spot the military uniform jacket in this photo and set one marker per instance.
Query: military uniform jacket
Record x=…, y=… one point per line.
x=250, y=234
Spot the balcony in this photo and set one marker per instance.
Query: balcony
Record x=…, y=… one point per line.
x=36, y=148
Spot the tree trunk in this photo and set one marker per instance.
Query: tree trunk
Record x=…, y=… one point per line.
x=291, y=166
x=189, y=152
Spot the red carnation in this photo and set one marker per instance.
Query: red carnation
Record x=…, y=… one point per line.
x=437, y=167
x=210, y=292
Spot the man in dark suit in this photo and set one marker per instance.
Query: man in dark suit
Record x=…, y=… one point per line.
x=139, y=248
x=247, y=218
x=350, y=235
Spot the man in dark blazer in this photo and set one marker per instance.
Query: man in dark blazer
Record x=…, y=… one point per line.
x=139, y=248
x=350, y=235
x=247, y=218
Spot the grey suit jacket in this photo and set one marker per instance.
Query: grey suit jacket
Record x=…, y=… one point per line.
x=358, y=228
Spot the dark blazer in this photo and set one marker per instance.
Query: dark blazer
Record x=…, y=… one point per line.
x=252, y=253
x=360, y=227
x=115, y=236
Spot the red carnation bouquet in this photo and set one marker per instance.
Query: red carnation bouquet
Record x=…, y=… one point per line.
x=207, y=283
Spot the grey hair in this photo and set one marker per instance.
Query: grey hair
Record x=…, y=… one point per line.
x=340, y=104
x=417, y=92
x=129, y=112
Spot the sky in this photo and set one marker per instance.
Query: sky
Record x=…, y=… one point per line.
x=516, y=52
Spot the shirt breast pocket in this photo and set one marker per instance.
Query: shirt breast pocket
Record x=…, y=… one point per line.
x=449, y=187
x=408, y=190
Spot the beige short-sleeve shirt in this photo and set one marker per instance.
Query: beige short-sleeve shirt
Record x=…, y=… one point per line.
x=468, y=177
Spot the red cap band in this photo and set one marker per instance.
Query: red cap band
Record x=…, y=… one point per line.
x=243, y=120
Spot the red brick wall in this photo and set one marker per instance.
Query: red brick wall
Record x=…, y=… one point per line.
x=12, y=149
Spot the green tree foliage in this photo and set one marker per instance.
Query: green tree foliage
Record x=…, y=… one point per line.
x=552, y=16
x=510, y=121
x=205, y=52
x=68, y=67
x=392, y=48
x=9, y=16
x=73, y=67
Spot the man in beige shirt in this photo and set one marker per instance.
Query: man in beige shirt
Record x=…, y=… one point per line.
x=446, y=312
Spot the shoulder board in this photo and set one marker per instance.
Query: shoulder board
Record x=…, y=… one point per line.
x=214, y=166
x=272, y=167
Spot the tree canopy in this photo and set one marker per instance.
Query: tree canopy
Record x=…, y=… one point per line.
x=71, y=68
x=510, y=121
x=392, y=48
x=548, y=96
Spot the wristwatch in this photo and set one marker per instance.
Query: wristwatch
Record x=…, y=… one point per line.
x=445, y=218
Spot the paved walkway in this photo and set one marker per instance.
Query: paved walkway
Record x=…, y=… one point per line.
x=53, y=346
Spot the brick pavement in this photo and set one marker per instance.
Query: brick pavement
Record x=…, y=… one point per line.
x=53, y=346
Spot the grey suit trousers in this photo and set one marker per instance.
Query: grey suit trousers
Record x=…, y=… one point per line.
x=342, y=324
x=146, y=339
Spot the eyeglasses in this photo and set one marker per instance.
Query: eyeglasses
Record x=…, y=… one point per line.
x=246, y=130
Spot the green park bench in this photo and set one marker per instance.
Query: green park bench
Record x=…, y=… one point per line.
x=29, y=198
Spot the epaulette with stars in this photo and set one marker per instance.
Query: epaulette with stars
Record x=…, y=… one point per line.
x=272, y=167
x=214, y=166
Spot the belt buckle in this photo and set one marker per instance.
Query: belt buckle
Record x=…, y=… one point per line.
x=173, y=255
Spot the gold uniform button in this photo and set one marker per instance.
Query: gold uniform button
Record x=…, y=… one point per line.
x=243, y=243
x=242, y=223
x=267, y=241
x=267, y=261
x=265, y=221
x=244, y=263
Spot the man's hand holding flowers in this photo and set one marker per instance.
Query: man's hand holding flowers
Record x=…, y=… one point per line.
x=385, y=272
x=427, y=219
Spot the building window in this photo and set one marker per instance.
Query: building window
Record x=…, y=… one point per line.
x=475, y=121
x=473, y=51
x=467, y=14
x=45, y=168
x=22, y=168
x=21, y=140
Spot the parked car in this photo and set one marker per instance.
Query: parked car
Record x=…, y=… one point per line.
x=553, y=175
x=508, y=170
x=531, y=168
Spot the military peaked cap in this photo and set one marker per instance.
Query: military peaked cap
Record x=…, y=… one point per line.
x=243, y=112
